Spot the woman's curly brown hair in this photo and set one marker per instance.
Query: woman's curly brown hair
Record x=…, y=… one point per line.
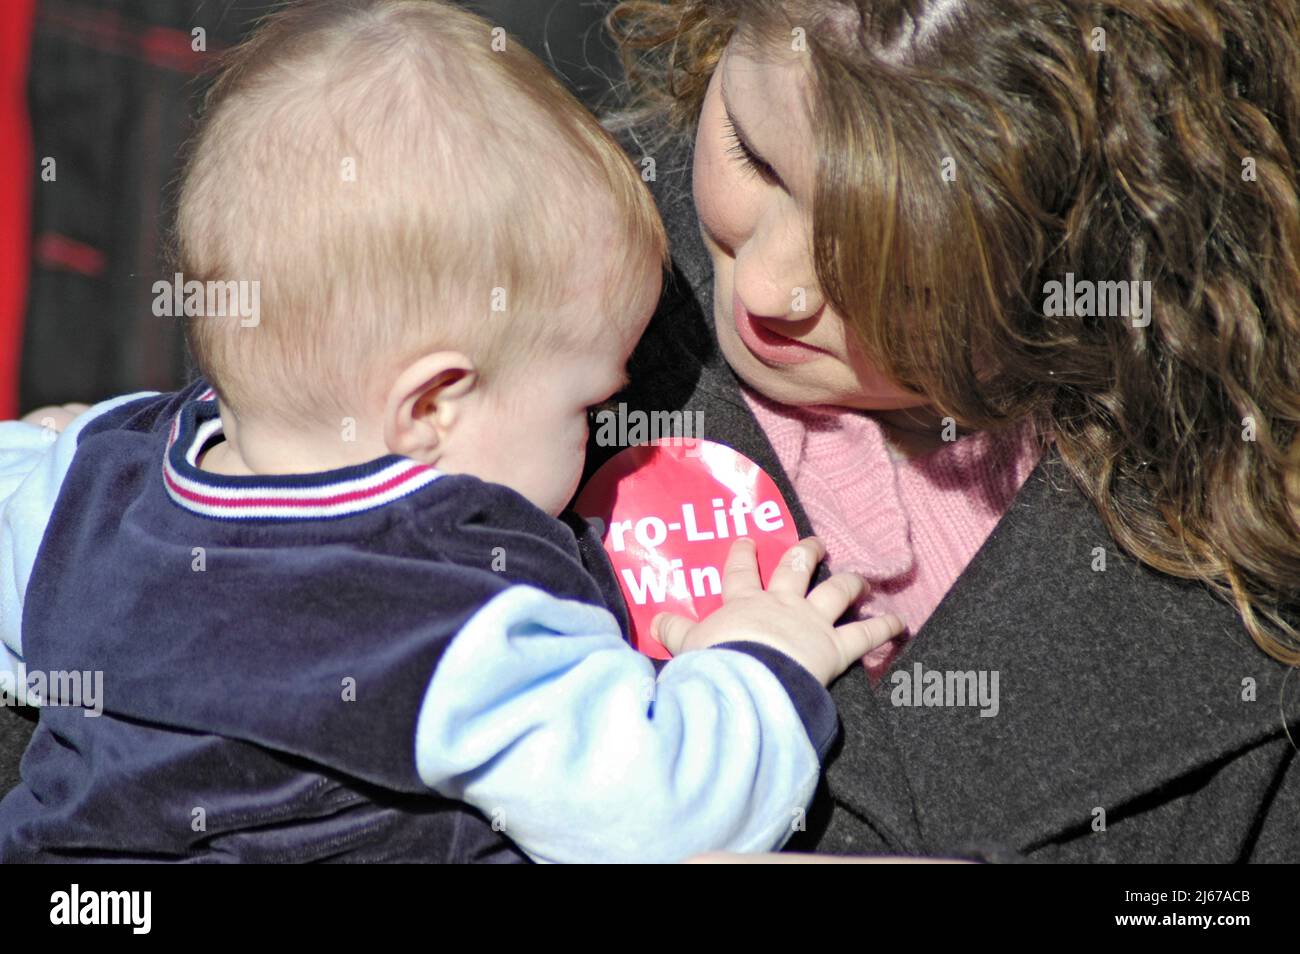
x=1117, y=140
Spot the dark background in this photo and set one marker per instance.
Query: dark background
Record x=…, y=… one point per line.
x=112, y=89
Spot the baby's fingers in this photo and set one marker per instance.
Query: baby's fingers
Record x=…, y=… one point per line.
x=858, y=638
x=795, y=570
x=740, y=572
x=671, y=630
x=833, y=596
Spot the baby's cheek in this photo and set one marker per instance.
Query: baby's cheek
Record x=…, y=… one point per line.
x=576, y=455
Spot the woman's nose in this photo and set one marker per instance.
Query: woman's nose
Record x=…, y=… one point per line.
x=768, y=295
x=774, y=275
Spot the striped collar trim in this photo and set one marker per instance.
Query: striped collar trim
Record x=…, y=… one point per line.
x=334, y=493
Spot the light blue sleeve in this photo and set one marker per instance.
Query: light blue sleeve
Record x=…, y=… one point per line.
x=33, y=462
x=542, y=717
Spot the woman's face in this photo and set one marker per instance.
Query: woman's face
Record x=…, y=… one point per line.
x=754, y=174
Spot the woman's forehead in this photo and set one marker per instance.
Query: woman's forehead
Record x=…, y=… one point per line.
x=765, y=96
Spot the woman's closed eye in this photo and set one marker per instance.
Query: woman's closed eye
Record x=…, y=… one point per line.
x=751, y=162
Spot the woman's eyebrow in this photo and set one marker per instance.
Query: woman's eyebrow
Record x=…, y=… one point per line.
x=735, y=123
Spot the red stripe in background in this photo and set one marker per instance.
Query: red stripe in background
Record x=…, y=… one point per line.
x=54, y=250
x=16, y=18
x=163, y=47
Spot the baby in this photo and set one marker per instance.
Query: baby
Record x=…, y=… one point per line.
x=325, y=587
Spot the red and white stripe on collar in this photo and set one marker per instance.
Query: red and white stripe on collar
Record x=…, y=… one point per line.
x=336, y=493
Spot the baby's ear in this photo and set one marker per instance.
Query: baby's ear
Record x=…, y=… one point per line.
x=425, y=403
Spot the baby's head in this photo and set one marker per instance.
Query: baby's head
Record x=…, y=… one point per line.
x=454, y=260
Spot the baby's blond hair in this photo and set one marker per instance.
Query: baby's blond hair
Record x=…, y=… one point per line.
x=398, y=176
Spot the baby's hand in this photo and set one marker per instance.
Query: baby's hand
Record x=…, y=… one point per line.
x=782, y=616
x=54, y=417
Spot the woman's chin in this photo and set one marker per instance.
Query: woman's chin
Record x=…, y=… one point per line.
x=792, y=384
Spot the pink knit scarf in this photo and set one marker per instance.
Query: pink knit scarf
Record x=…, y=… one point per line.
x=909, y=525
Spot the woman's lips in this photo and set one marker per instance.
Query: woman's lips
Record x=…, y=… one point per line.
x=770, y=347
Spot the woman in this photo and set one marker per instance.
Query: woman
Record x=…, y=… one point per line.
x=897, y=290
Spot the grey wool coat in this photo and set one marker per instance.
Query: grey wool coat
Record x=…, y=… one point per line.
x=1137, y=721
